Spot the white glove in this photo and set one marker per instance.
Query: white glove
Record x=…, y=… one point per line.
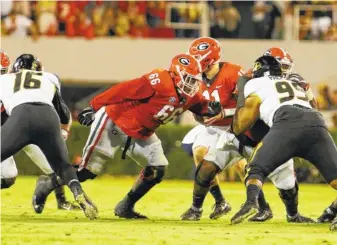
x=64, y=134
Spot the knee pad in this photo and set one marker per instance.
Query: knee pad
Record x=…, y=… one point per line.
x=289, y=194
x=85, y=174
x=8, y=182
x=205, y=174
x=153, y=174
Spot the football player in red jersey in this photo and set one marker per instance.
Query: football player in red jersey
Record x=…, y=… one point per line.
x=286, y=180
x=127, y=115
x=8, y=167
x=5, y=62
x=206, y=141
x=219, y=84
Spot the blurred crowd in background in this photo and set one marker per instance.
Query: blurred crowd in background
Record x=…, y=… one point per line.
x=326, y=97
x=142, y=19
x=157, y=19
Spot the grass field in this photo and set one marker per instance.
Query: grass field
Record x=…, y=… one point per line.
x=164, y=205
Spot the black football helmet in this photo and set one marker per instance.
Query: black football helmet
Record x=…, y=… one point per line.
x=27, y=61
x=267, y=65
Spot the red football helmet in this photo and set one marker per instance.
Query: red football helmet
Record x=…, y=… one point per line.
x=5, y=62
x=186, y=73
x=283, y=57
x=207, y=50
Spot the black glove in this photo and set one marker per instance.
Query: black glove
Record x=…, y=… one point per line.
x=87, y=116
x=214, y=108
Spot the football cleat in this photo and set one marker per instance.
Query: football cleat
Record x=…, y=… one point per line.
x=123, y=210
x=192, y=214
x=220, y=209
x=263, y=215
x=89, y=209
x=41, y=193
x=327, y=216
x=333, y=226
x=65, y=205
x=62, y=202
x=298, y=218
x=247, y=210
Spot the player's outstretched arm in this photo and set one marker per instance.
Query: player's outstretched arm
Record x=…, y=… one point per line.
x=63, y=112
x=241, y=83
x=246, y=116
x=135, y=89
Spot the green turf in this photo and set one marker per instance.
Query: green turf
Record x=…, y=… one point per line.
x=164, y=205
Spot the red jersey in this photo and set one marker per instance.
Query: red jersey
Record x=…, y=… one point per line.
x=222, y=88
x=141, y=105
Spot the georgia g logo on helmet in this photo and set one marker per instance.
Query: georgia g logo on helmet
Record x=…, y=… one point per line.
x=184, y=61
x=202, y=46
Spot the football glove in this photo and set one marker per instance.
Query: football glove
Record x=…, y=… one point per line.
x=64, y=133
x=215, y=113
x=214, y=108
x=86, y=117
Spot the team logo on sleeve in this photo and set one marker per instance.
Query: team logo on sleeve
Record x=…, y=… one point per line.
x=202, y=46
x=184, y=61
x=172, y=100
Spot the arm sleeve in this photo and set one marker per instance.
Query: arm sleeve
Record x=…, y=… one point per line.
x=136, y=89
x=241, y=86
x=61, y=108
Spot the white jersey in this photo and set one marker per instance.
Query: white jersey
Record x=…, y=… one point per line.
x=27, y=86
x=275, y=92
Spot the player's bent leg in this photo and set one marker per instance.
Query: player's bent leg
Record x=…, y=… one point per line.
x=284, y=179
x=148, y=178
x=322, y=153
x=204, y=176
x=37, y=156
x=214, y=161
x=98, y=148
x=8, y=173
x=267, y=156
x=101, y=146
x=220, y=207
x=254, y=181
x=53, y=146
x=151, y=150
x=265, y=213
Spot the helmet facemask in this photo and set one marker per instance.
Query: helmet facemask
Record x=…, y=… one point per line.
x=286, y=66
x=188, y=83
